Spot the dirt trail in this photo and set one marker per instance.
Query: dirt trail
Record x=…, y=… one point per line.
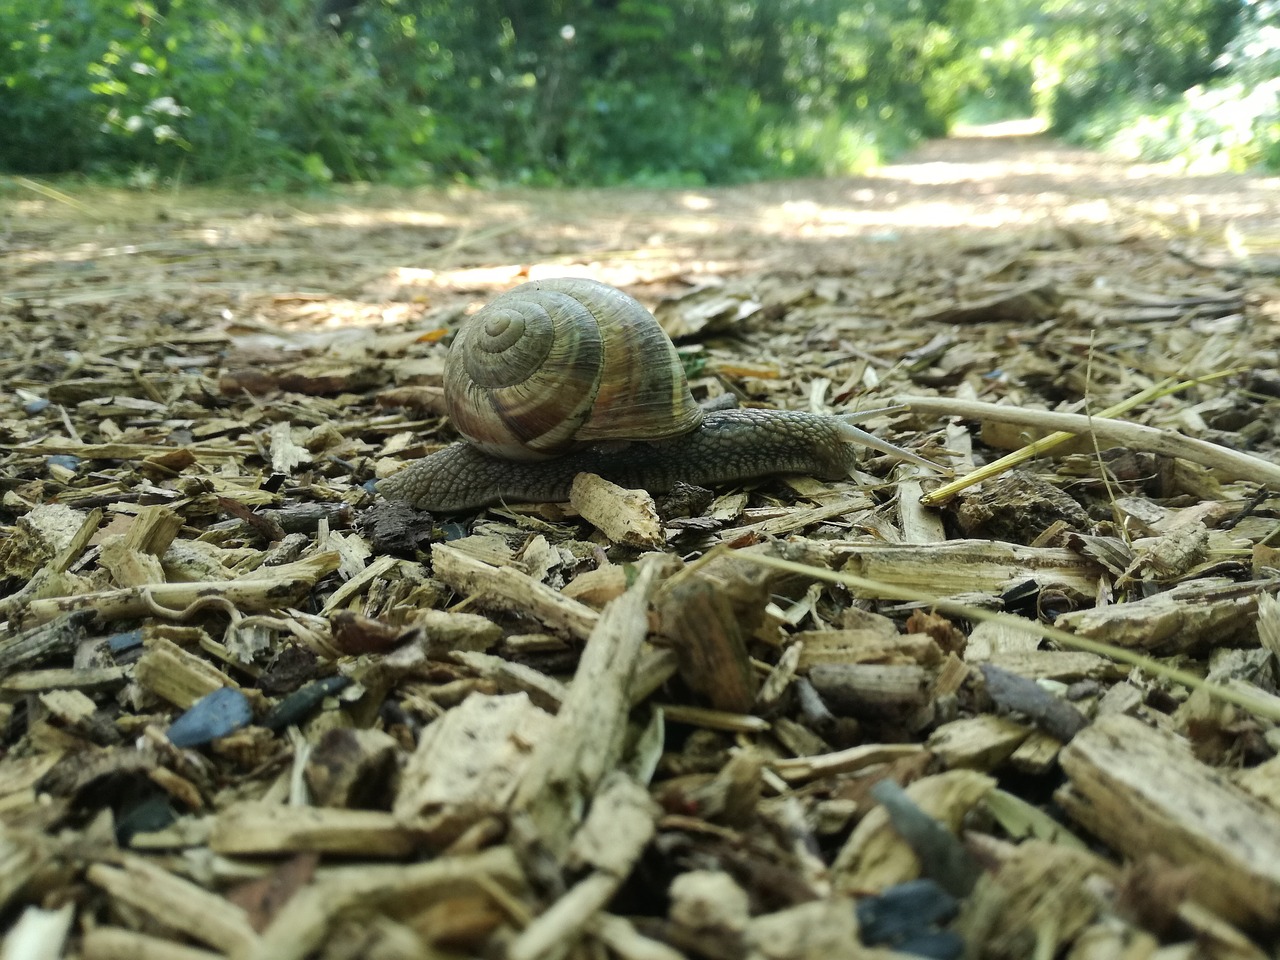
x=373, y=245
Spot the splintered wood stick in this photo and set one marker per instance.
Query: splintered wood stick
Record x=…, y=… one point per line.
x=269, y=589
x=1239, y=466
x=506, y=588
x=1143, y=791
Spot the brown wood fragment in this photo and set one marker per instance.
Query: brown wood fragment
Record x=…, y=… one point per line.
x=810, y=931
x=41, y=534
x=509, y=589
x=842, y=761
x=709, y=907
x=977, y=743
x=460, y=923
x=1065, y=666
x=587, y=735
x=1190, y=615
x=896, y=692
x=451, y=783
x=714, y=719
x=177, y=676
x=1025, y=303
x=251, y=829
x=1040, y=890
x=300, y=927
x=544, y=691
x=448, y=631
x=867, y=646
x=1143, y=792
x=1018, y=508
x=176, y=903
x=269, y=589
x=41, y=642
x=134, y=558
x=92, y=679
x=610, y=841
x=116, y=943
x=597, y=587
x=700, y=621
x=263, y=897
x=621, y=936
x=352, y=768
x=968, y=566
x=1037, y=754
x=624, y=516
x=24, y=856
x=286, y=452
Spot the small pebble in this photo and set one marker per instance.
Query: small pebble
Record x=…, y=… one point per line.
x=213, y=716
x=122, y=642
x=906, y=918
x=63, y=461
x=295, y=707
x=151, y=814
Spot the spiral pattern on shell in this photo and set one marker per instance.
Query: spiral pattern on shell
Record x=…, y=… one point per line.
x=555, y=364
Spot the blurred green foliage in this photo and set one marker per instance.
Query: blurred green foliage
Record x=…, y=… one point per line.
x=298, y=93
x=1222, y=114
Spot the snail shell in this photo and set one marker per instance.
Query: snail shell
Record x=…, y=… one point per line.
x=553, y=365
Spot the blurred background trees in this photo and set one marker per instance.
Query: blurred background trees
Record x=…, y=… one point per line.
x=291, y=93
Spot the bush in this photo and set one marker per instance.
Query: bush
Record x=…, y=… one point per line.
x=1230, y=123
x=196, y=91
x=299, y=93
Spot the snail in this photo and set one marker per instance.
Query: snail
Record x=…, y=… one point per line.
x=559, y=377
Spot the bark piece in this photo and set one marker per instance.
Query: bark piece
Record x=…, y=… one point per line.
x=176, y=903
x=699, y=618
x=175, y=675
x=352, y=768
x=1196, y=614
x=1143, y=791
x=300, y=928
x=1039, y=890
x=977, y=743
x=252, y=829
x=267, y=589
x=586, y=738
x=970, y=566
x=624, y=516
x=895, y=692
x=506, y=588
x=451, y=781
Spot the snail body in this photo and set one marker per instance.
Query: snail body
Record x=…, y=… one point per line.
x=560, y=377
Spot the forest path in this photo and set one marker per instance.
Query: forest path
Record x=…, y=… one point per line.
x=389, y=253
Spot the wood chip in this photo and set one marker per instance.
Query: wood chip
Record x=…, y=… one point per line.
x=624, y=516
x=1142, y=791
x=509, y=589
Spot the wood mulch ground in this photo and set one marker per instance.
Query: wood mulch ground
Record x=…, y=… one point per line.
x=248, y=711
